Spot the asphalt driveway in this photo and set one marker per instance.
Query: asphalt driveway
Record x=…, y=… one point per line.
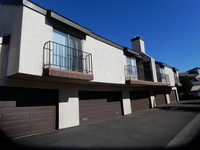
x=147, y=129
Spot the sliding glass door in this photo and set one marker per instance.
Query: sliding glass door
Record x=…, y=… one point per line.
x=66, y=54
x=60, y=50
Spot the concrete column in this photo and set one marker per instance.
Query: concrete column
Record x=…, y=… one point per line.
x=152, y=99
x=68, y=108
x=167, y=98
x=176, y=91
x=126, y=102
x=153, y=67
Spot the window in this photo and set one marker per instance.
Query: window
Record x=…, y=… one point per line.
x=132, y=67
x=162, y=70
x=67, y=54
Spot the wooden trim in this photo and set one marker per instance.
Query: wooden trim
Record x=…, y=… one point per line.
x=149, y=83
x=67, y=74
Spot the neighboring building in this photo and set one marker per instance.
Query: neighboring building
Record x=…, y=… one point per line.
x=194, y=75
x=55, y=73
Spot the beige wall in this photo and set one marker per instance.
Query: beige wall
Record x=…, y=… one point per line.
x=126, y=102
x=68, y=107
x=35, y=32
x=154, y=73
x=10, y=24
x=108, y=62
x=170, y=72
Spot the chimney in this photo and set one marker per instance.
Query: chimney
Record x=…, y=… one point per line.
x=138, y=44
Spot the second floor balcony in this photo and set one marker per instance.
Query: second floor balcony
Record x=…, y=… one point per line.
x=162, y=77
x=63, y=61
x=141, y=76
x=137, y=73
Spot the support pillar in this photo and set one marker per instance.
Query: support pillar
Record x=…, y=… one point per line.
x=126, y=102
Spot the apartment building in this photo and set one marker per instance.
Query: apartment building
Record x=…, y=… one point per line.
x=194, y=76
x=55, y=73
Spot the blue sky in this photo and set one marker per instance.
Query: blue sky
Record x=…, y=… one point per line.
x=171, y=28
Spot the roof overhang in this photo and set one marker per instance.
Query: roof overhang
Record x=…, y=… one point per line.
x=131, y=52
x=54, y=15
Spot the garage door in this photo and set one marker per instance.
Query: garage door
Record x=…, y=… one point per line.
x=160, y=98
x=95, y=105
x=26, y=111
x=139, y=100
x=172, y=96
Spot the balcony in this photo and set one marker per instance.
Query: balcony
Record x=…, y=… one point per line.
x=162, y=77
x=63, y=61
x=136, y=73
x=177, y=81
x=140, y=77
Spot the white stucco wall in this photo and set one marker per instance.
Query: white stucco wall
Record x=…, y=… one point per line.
x=10, y=24
x=152, y=99
x=170, y=72
x=68, y=108
x=167, y=98
x=108, y=61
x=153, y=66
x=35, y=32
x=126, y=102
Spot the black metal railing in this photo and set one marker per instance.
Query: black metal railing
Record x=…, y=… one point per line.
x=162, y=77
x=137, y=73
x=66, y=58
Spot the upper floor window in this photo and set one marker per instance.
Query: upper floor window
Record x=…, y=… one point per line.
x=162, y=70
x=132, y=67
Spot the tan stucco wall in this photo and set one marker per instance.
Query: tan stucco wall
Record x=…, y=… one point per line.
x=35, y=32
x=170, y=72
x=10, y=24
x=68, y=107
x=108, y=61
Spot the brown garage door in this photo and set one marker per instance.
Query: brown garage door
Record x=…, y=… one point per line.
x=26, y=111
x=95, y=106
x=139, y=100
x=160, y=98
x=172, y=96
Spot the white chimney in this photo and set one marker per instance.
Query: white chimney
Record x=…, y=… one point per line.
x=138, y=44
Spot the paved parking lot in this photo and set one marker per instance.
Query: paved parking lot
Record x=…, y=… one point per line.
x=148, y=129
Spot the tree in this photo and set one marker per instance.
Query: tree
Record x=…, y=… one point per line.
x=186, y=85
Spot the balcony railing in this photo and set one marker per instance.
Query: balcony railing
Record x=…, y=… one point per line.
x=62, y=57
x=162, y=77
x=177, y=81
x=136, y=73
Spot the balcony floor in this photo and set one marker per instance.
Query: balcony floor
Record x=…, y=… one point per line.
x=147, y=83
x=67, y=74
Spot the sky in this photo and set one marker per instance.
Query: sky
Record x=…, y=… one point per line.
x=170, y=28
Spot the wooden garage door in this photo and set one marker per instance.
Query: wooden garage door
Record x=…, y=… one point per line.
x=160, y=98
x=95, y=106
x=26, y=111
x=172, y=96
x=139, y=100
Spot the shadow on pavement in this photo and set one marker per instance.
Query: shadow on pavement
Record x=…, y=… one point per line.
x=180, y=108
x=189, y=105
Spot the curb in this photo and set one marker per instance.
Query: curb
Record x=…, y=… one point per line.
x=186, y=135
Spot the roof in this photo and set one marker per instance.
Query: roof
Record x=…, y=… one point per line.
x=191, y=73
x=165, y=65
